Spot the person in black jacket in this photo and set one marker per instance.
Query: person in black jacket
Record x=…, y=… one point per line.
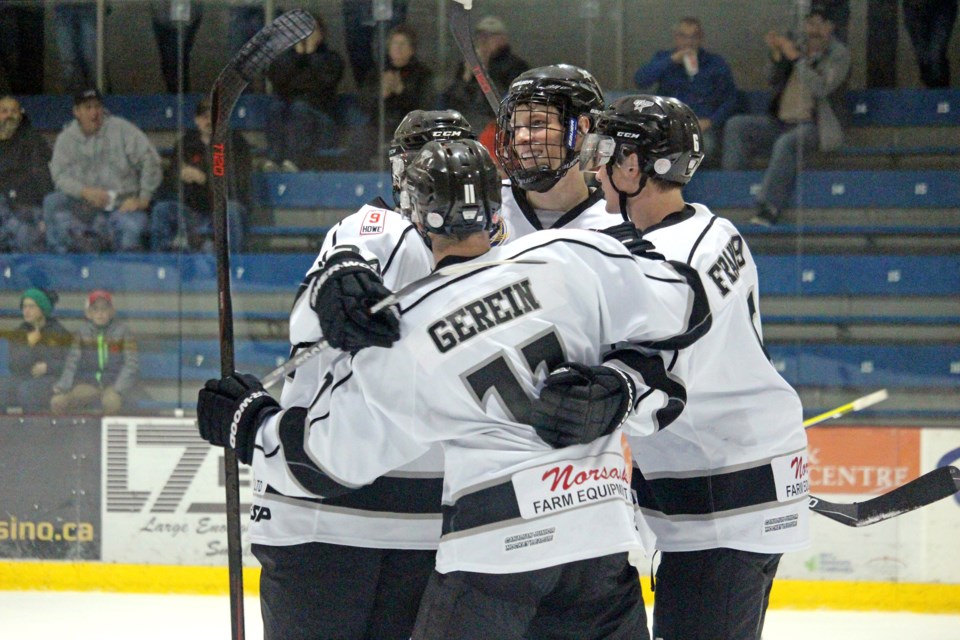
x=38, y=348
x=493, y=47
x=24, y=179
x=190, y=171
x=303, y=117
x=407, y=82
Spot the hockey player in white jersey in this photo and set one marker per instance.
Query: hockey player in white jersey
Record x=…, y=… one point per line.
x=353, y=567
x=540, y=129
x=534, y=538
x=724, y=487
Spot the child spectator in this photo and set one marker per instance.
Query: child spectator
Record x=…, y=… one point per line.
x=191, y=169
x=103, y=365
x=38, y=348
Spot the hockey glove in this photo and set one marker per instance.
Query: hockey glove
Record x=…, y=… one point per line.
x=341, y=297
x=632, y=239
x=231, y=409
x=579, y=404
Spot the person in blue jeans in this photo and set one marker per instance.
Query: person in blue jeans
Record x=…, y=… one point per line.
x=303, y=115
x=929, y=24
x=808, y=80
x=75, y=30
x=699, y=78
x=188, y=225
x=105, y=171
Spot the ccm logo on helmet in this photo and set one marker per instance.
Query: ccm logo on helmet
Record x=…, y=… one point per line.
x=445, y=134
x=627, y=134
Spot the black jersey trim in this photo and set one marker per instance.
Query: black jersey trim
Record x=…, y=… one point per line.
x=674, y=218
x=530, y=214
x=292, y=432
x=708, y=494
x=386, y=495
x=703, y=234
x=480, y=508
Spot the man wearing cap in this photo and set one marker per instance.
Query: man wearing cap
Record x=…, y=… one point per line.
x=493, y=48
x=191, y=169
x=103, y=364
x=24, y=178
x=105, y=171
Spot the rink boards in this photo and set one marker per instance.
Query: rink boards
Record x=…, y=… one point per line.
x=137, y=504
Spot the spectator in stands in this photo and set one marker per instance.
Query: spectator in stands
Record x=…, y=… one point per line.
x=24, y=179
x=929, y=24
x=808, y=79
x=38, y=348
x=244, y=19
x=493, y=47
x=407, y=82
x=360, y=31
x=169, y=20
x=303, y=115
x=838, y=12
x=699, y=78
x=105, y=171
x=75, y=28
x=190, y=170
x=103, y=365
x=21, y=48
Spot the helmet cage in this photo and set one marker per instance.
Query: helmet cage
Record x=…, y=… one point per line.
x=571, y=92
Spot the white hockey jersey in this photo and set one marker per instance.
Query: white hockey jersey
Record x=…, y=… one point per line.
x=473, y=352
x=401, y=510
x=731, y=471
x=518, y=218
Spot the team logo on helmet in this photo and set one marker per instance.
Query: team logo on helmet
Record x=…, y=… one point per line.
x=640, y=105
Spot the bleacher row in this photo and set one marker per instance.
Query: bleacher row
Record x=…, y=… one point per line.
x=915, y=294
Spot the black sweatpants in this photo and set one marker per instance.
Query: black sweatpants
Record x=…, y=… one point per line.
x=589, y=599
x=716, y=594
x=322, y=591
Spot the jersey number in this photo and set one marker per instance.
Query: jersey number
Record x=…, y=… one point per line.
x=498, y=377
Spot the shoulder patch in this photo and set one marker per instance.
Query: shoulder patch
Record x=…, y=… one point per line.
x=373, y=223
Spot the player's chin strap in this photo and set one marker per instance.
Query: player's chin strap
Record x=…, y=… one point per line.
x=624, y=196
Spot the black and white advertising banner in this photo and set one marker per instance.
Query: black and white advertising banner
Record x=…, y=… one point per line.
x=163, y=494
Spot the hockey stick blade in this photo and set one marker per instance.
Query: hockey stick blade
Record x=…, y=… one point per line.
x=463, y=36
x=860, y=403
x=452, y=270
x=252, y=59
x=930, y=487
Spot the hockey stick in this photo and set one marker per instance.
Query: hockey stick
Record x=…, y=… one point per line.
x=858, y=404
x=452, y=270
x=463, y=35
x=928, y=488
x=252, y=60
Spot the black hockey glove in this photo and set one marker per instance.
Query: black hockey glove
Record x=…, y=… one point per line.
x=231, y=409
x=632, y=239
x=342, y=295
x=578, y=404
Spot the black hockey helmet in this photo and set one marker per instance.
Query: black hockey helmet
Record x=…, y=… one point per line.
x=663, y=132
x=417, y=129
x=570, y=90
x=453, y=187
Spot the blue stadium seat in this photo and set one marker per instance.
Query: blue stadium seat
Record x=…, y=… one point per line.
x=154, y=112
x=859, y=275
x=834, y=189
x=329, y=189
